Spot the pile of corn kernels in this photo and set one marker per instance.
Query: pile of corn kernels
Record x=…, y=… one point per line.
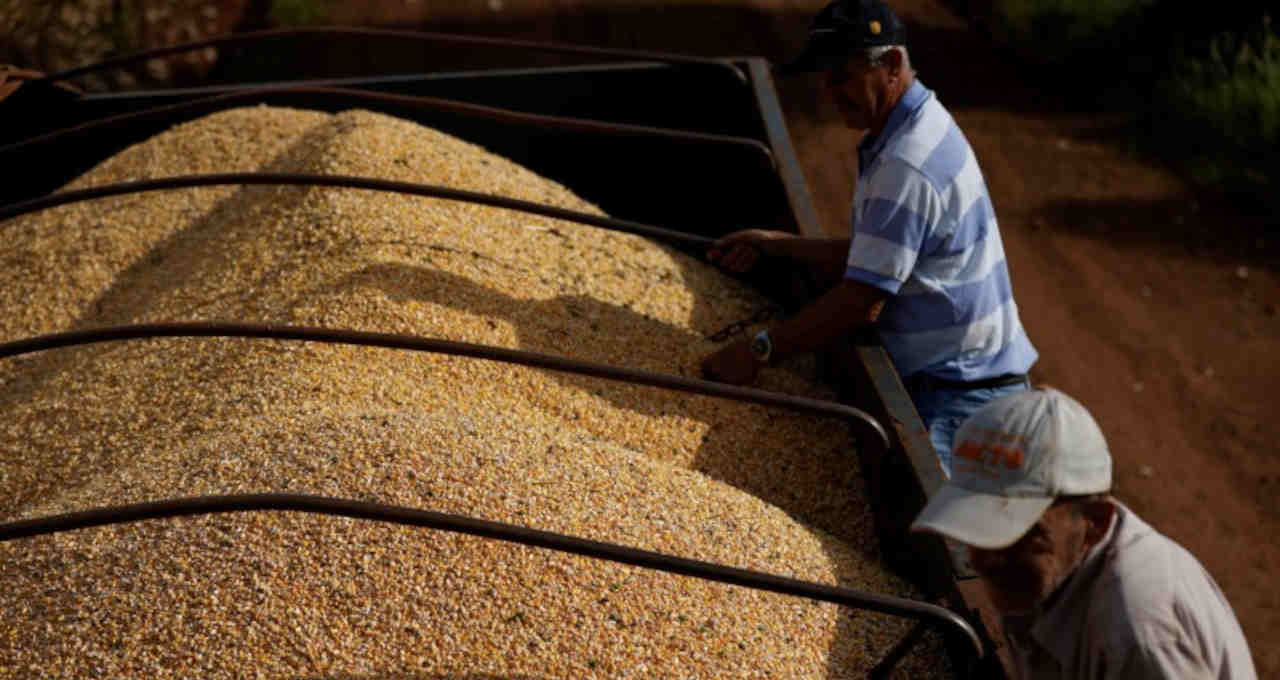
x=290, y=595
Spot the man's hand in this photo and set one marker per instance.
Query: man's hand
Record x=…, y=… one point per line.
x=734, y=364
x=739, y=251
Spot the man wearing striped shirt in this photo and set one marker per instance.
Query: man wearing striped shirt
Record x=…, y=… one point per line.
x=924, y=241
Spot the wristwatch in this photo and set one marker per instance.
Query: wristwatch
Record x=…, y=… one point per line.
x=762, y=347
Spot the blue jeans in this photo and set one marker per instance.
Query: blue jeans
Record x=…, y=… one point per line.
x=943, y=411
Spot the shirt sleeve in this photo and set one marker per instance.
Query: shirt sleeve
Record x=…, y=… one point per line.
x=900, y=209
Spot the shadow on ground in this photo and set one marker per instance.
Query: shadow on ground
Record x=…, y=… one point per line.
x=1187, y=227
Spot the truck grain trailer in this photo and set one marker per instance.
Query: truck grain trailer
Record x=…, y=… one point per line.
x=665, y=149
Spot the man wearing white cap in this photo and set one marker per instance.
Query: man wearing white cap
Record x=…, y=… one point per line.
x=1087, y=589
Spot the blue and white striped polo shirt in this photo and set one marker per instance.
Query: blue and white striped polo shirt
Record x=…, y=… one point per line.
x=924, y=230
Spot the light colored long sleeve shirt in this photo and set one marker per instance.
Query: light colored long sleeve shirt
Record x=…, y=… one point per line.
x=1140, y=606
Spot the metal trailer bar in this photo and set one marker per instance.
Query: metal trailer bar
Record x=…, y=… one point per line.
x=350, y=182
x=787, y=163
x=421, y=103
x=923, y=612
x=885, y=604
x=445, y=38
x=867, y=428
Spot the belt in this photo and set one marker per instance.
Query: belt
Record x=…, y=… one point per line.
x=921, y=382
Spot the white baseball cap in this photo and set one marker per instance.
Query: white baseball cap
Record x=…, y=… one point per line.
x=1010, y=460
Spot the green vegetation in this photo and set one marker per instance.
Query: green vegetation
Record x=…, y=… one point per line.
x=1205, y=79
x=297, y=12
x=1054, y=31
x=1224, y=108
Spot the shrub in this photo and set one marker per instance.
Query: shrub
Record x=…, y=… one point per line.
x=1205, y=79
x=1219, y=109
x=297, y=12
x=1057, y=31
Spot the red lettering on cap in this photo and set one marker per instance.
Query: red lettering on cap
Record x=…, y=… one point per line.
x=991, y=455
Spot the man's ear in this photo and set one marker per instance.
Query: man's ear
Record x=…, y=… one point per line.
x=1098, y=514
x=893, y=61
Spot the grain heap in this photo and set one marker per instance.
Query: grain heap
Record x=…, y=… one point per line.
x=287, y=595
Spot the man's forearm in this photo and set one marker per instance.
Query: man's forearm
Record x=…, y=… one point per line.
x=842, y=309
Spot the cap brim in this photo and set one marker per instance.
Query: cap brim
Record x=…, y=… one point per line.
x=981, y=520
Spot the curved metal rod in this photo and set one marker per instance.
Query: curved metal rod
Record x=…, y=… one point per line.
x=866, y=426
x=203, y=505
x=421, y=103
x=350, y=182
x=446, y=38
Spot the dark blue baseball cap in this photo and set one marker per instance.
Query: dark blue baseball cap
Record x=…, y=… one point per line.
x=846, y=28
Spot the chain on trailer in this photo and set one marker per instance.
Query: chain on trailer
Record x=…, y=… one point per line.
x=867, y=430
x=740, y=327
